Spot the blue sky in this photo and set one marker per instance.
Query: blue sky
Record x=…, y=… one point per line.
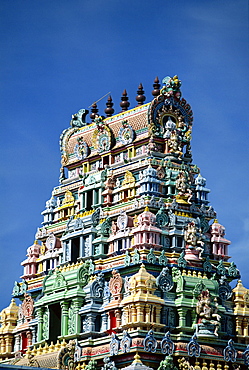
x=60, y=56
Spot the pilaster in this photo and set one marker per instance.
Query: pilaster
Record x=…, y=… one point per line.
x=40, y=312
x=64, y=317
x=77, y=302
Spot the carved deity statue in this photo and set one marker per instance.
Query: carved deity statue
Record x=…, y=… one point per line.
x=193, y=240
x=174, y=144
x=114, y=228
x=181, y=183
x=152, y=146
x=209, y=319
x=190, y=234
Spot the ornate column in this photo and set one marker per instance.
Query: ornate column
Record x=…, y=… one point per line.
x=140, y=314
x=77, y=302
x=81, y=246
x=8, y=343
x=104, y=324
x=193, y=316
x=245, y=327
x=100, y=196
x=85, y=199
x=82, y=198
x=133, y=313
x=1, y=343
x=33, y=330
x=125, y=315
x=91, y=248
x=40, y=323
x=158, y=310
x=17, y=344
x=239, y=325
x=164, y=315
x=129, y=315
x=174, y=242
x=29, y=337
x=91, y=321
x=182, y=316
x=95, y=197
x=118, y=317
x=64, y=317
x=147, y=311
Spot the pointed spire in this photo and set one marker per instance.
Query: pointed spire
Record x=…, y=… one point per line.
x=109, y=104
x=140, y=98
x=94, y=111
x=124, y=101
x=156, y=91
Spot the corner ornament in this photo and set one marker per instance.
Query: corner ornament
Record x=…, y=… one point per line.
x=79, y=119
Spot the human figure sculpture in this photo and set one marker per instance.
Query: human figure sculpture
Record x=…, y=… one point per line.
x=207, y=313
x=193, y=240
x=181, y=183
x=114, y=228
x=190, y=234
x=174, y=144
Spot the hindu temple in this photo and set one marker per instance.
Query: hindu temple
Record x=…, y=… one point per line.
x=130, y=268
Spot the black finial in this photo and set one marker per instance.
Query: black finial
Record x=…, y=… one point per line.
x=109, y=104
x=124, y=101
x=94, y=111
x=156, y=86
x=140, y=98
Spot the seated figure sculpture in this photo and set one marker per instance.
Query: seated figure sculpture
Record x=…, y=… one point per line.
x=208, y=318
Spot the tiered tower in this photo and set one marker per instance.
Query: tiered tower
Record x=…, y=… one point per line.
x=130, y=267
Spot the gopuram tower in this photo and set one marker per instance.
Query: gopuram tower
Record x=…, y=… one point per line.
x=130, y=268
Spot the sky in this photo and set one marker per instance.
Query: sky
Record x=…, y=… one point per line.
x=59, y=56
